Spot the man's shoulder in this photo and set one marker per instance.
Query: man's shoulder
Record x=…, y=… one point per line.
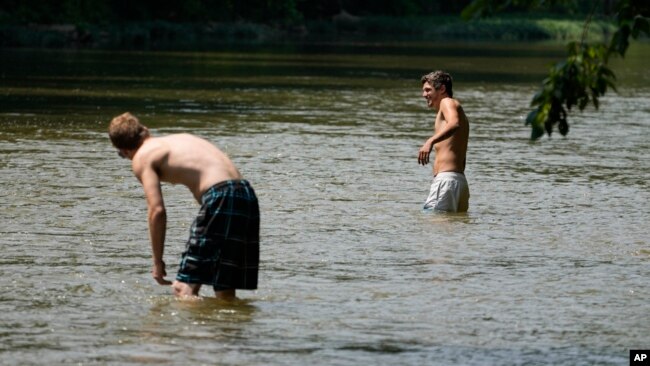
x=177, y=135
x=180, y=139
x=450, y=102
x=151, y=145
x=150, y=152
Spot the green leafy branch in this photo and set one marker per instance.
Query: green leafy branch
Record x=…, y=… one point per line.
x=584, y=76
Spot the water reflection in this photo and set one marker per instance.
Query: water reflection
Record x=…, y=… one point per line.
x=202, y=310
x=203, y=318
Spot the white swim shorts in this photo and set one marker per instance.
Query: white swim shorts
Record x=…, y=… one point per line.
x=449, y=192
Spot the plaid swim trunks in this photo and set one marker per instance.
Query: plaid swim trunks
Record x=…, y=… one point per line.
x=223, y=249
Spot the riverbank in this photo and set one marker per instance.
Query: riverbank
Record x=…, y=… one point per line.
x=345, y=27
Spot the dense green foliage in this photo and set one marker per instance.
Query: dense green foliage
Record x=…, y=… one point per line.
x=203, y=24
x=584, y=76
x=164, y=34
x=284, y=12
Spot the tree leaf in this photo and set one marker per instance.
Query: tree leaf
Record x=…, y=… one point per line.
x=536, y=132
x=548, y=126
x=640, y=25
x=477, y=9
x=563, y=127
x=620, y=40
x=532, y=117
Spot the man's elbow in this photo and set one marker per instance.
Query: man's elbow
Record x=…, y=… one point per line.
x=451, y=129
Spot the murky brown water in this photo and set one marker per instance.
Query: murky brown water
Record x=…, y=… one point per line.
x=550, y=265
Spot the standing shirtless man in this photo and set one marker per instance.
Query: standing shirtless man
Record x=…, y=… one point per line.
x=223, y=248
x=449, y=190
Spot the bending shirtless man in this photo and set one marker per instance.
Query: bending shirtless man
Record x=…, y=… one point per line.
x=449, y=190
x=223, y=248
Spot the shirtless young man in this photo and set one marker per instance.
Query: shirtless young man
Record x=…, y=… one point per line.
x=223, y=248
x=449, y=190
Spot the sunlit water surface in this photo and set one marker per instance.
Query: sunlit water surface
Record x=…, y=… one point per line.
x=551, y=265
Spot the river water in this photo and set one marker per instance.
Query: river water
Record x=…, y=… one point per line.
x=551, y=265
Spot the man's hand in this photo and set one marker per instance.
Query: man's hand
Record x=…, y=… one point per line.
x=158, y=272
x=425, y=152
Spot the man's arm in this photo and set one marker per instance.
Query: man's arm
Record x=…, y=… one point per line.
x=449, y=111
x=425, y=152
x=156, y=215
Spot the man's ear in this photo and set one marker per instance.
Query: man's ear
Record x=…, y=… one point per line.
x=127, y=153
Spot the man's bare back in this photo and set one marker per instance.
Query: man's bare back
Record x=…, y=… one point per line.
x=184, y=159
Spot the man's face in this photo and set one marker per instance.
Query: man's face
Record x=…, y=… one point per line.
x=432, y=96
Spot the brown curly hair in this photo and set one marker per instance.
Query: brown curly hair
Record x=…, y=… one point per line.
x=126, y=131
x=438, y=79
